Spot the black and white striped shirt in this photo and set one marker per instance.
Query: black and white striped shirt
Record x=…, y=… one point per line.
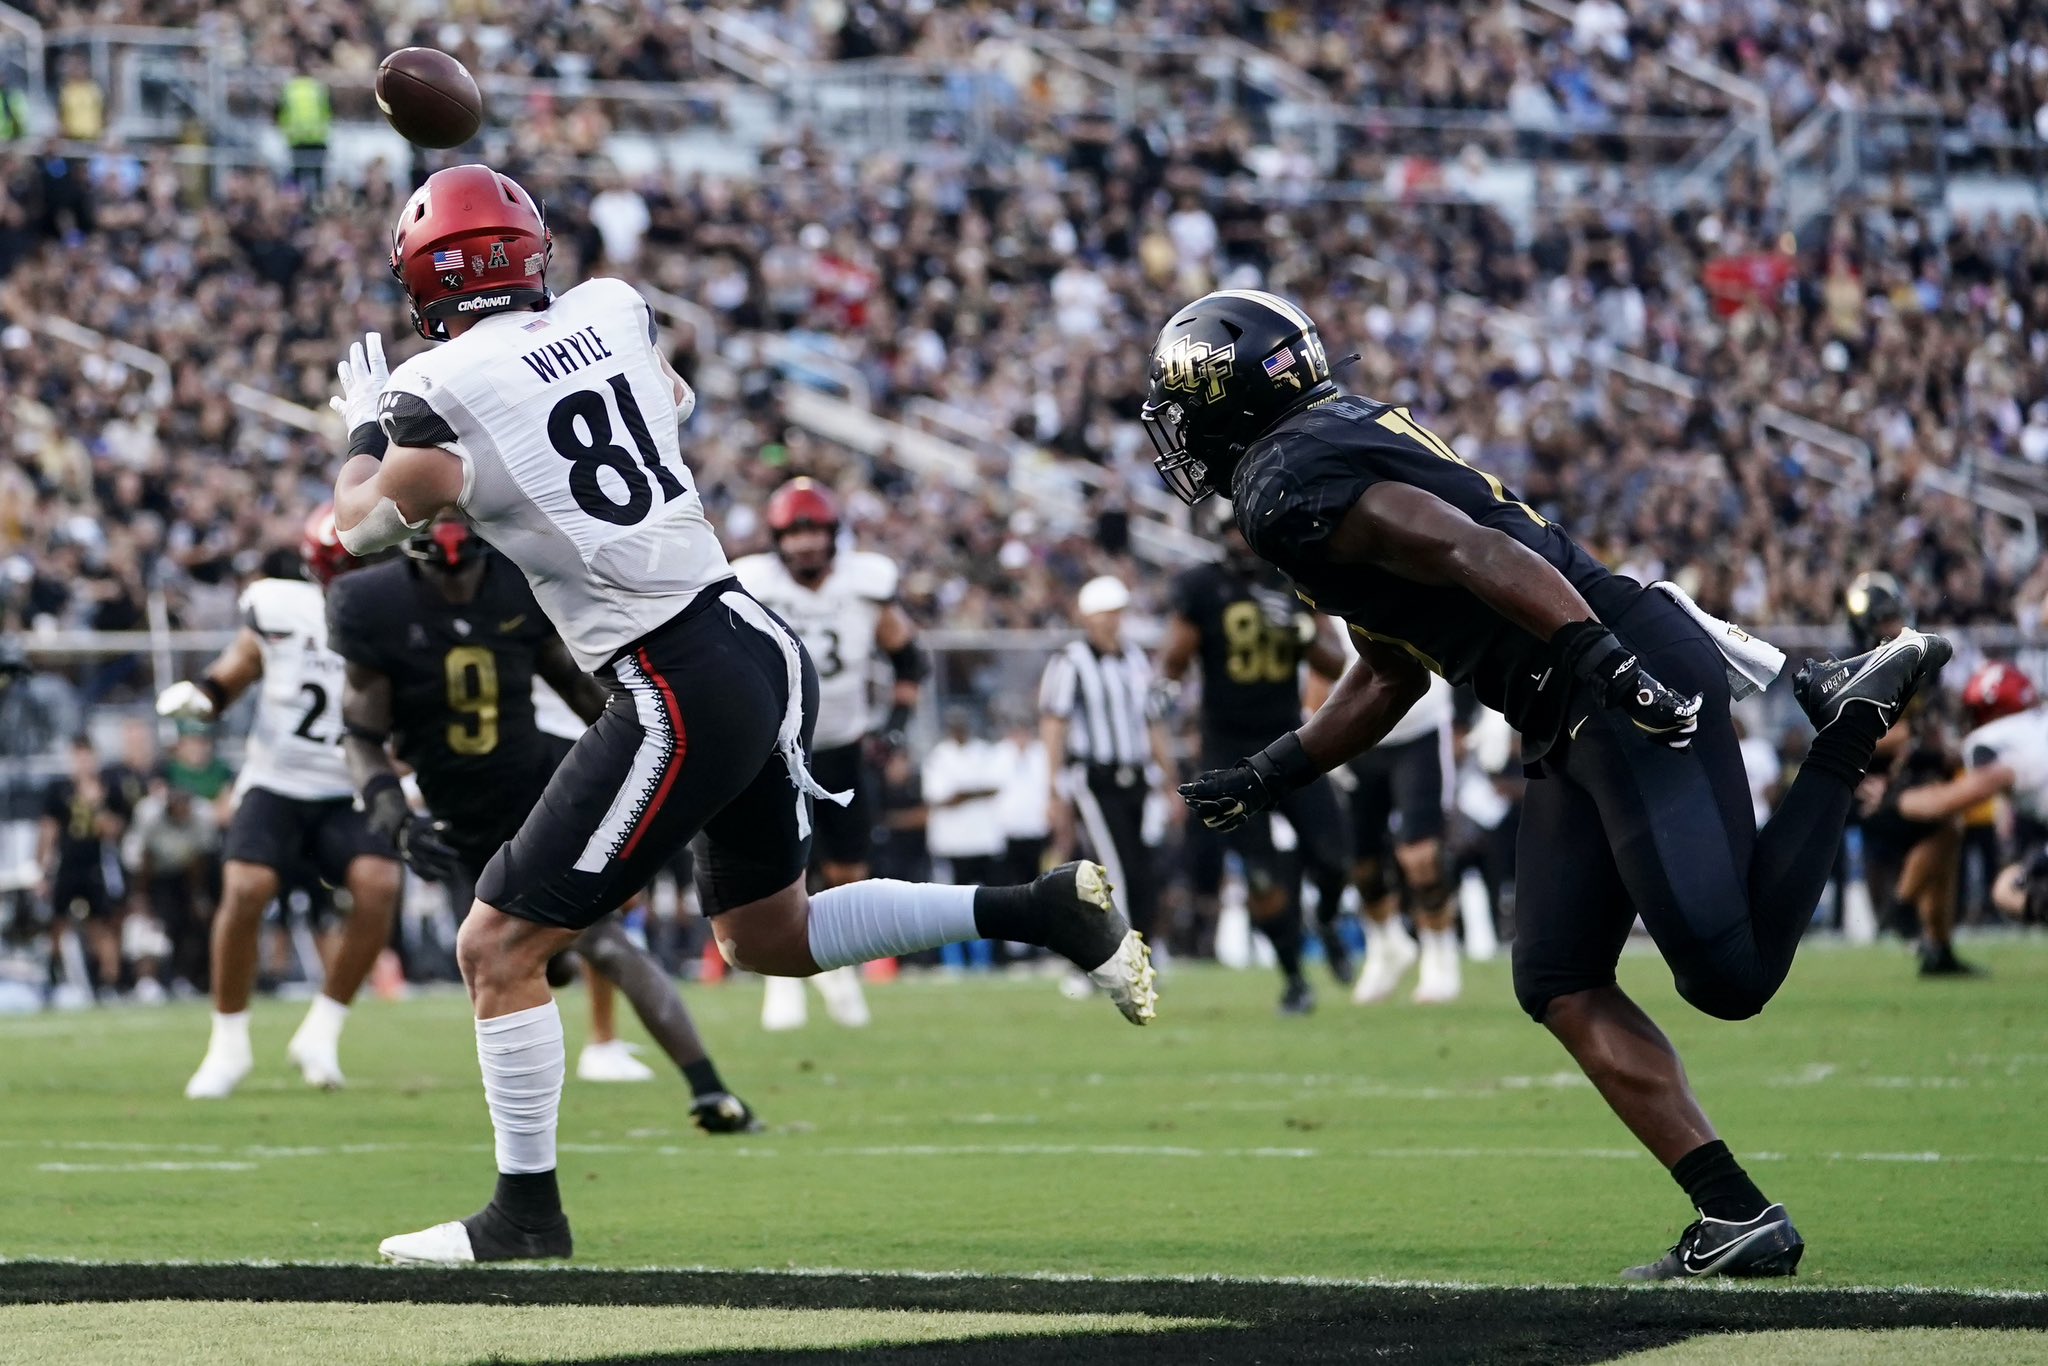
x=1105, y=699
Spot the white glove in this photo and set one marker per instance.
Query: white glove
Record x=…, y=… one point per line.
x=363, y=376
x=186, y=701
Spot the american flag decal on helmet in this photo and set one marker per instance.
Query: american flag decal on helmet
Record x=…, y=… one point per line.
x=1279, y=361
x=448, y=260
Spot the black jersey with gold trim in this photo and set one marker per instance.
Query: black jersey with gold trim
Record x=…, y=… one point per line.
x=1297, y=482
x=461, y=682
x=1250, y=654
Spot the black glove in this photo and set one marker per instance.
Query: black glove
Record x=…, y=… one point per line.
x=1225, y=798
x=418, y=836
x=1611, y=669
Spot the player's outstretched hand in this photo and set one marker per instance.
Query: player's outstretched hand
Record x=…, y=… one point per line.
x=185, y=701
x=363, y=376
x=1224, y=798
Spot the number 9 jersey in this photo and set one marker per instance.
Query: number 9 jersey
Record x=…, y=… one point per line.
x=566, y=425
x=295, y=746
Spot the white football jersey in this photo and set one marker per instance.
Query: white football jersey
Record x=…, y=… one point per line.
x=295, y=746
x=836, y=622
x=1430, y=714
x=572, y=463
x=2020, y=742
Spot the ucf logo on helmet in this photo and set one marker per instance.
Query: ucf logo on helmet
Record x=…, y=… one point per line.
x=1197, y=368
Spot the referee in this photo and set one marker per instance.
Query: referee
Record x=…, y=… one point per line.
x=1095, y=710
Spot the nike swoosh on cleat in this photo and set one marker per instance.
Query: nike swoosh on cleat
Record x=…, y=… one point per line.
x=1693, y=1268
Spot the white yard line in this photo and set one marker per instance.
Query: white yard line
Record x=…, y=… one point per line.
x=101, y=1167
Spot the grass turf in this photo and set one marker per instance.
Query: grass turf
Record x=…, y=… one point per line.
x=1825, y=1347
x=173, y=1332
x=993, y=1126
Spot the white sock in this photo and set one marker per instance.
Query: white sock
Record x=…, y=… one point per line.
x=230, y=1033
x=522, y=1059
x=883, y=918
x=324, y=1018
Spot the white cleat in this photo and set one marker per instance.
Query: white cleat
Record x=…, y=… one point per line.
x=1127, y=974
x=318, y=1060
x=1389, y=952
x=783, y=1004
x=218, y=1075
x=611, y=1061
x=844, y=1000
x=441, y=1245
x=1441, y=978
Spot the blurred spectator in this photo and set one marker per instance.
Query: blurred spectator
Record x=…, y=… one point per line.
x=81, y=104
x=963, y=776
x=304, y=117
x=173, y=851
x=82, y=882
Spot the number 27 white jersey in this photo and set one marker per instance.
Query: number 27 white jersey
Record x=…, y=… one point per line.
x=566, y=425
x=295, y=747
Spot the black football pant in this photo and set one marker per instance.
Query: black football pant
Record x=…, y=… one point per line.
x=1110, y=801
x=1618, y=825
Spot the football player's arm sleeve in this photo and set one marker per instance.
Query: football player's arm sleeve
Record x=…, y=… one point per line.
x=584, y=694
x=1412, y=533
x=1374, y=693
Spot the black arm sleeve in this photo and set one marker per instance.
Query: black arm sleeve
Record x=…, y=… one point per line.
x=410, y=420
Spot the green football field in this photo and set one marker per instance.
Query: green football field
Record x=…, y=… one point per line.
x=992, y=1127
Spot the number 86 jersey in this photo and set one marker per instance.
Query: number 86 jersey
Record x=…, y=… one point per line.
x=295, y=746
x=566, y=425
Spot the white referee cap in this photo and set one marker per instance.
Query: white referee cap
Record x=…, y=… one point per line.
x=1106, y=594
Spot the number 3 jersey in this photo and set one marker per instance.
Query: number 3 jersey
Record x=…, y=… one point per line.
x=836, y=622
x=461, y=683
x=566, y=426
x=295, y=746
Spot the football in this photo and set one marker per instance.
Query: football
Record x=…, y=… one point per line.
x=429, y=97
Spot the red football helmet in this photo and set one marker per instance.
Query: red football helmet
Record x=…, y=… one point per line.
x=469, y=243
x=804, y=504
x=1997, y=690
x=320, y=547
x=451, y=543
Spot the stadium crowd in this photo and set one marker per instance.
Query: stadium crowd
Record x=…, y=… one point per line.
x=1027, y=295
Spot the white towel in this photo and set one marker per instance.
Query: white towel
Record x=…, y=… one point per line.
x=1751, y=663
x=789, y=741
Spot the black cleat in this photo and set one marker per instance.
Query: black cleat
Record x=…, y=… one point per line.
x=1885, y=678
x=1767, y=1245
x=1338, y=954
x=1081, y=923
x=1939, y=960
x=1298, y=999
x=721, y=1112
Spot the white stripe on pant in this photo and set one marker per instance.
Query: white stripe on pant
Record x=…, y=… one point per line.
x=1106, y=854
